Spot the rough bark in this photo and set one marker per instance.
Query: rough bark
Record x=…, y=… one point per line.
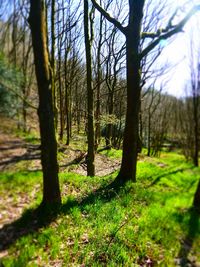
x=37, y=20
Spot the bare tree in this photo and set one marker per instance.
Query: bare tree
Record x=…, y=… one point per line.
x=37, y=20
x=90, y=94
x=195, y=90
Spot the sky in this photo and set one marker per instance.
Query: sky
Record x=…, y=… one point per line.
x=177, y=54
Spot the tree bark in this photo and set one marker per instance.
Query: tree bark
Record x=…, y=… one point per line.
x=37, y=20
x=90, y=96
x=129, y=156
x=196, y=201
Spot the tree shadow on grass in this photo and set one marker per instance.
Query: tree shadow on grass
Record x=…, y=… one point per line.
x=187, y=242
x=34, y=219
x=159, y=177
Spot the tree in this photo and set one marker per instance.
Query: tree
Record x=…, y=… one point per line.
x=67, y=38
x=53, y=64
x=150, y=102
x=134, y=56
x=90, y=94
x=195, y=111
x=189, y=110
x=196, y=201
x=37, y=20
x=195, y=90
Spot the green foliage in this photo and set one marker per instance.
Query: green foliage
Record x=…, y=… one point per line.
x=147, y=222
x=9, y=102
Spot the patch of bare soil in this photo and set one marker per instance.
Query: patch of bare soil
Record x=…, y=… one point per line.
x=103, y=166
x=14, y=150
x=74, y=160
x=16, y=154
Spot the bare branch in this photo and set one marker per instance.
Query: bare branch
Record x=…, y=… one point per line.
x=168, y=32
x=115, y=22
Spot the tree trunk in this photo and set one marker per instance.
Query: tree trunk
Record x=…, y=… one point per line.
x=67, y=111
x=98, y=106
x=196, y=201
x=110, y=113
x=53, y=66
x=196, y=130
x=149, y=135
x=90, y=96
x=129, y=156
x=60, y=91
x=37, y=19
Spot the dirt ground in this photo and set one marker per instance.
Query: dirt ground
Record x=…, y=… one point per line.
x=17, y=154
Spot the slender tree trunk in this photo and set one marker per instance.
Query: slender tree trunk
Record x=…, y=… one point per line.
x=24, y=81
x=140, y=124
x=67, y=108
x=99, y=71
x=14, y=51
x=90, y=96
x=24, y=105
x=110, y=112
x=53, y=65
x=196, y=131
x=67, y=98
x=37, y=19
x=60, y=85
x=149, y=135
x=60, y=96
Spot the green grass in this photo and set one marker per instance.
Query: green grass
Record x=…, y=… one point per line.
x=150, y=221
x=112, y=153
x=29, y=137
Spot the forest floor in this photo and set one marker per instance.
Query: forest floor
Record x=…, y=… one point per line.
x=22, y=151
x=150, y=223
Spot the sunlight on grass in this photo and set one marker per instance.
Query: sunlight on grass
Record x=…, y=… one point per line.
x=112, y=153
x=97, y=226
